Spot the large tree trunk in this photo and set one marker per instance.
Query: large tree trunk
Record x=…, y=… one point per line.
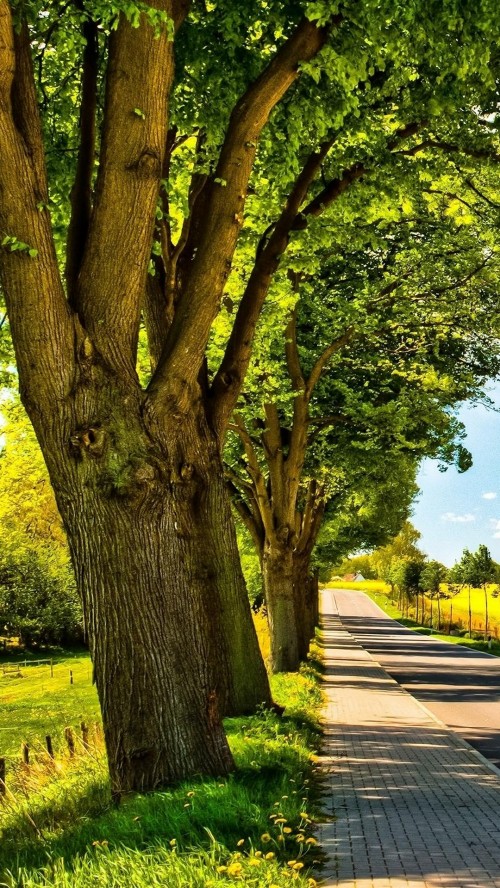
x=144, y=504
x=247, y=682
x=305, y=590
x=277, y=566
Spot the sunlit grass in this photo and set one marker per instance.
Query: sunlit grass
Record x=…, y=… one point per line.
x=58, y=827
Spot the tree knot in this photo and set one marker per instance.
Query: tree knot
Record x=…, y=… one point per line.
x=147, y=165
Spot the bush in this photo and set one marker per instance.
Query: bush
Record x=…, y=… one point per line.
x=39, y=606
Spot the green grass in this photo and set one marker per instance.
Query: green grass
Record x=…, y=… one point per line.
x=59, y=829
x=32, y=704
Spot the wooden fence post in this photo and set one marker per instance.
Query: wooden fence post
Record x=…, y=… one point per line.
x=50, y=749
x=2, y=777
x=70, y=740
x=85, y=735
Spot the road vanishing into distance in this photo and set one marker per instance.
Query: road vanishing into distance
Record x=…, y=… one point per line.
x=459, y=686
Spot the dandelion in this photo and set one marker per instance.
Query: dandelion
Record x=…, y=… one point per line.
x=312, y=883
x=304, y=815
x=254, y=861
x=190, y=794
x=187, y=805
x=173, y=843
x=270, y=855
x=258, y=854
x=287, y=829
x=292, y=863
x=311, y=841
x=300, y=838
x=222, y=869
x=234, y=869
x=298, y=865
x=240, y=843
x=281, y=820
x=265, y=837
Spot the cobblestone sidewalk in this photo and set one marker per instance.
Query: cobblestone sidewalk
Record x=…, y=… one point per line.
x=415, y=805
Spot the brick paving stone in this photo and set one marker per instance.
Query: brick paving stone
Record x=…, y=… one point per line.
x=415, y=806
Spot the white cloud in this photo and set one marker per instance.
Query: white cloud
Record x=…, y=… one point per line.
x=489, y=496
x=458, y=519
x=496, y=536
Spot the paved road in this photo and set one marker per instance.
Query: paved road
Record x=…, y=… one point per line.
x=414, y=806
x=461, y=687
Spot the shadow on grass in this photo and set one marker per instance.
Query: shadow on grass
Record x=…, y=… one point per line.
x=72, y=815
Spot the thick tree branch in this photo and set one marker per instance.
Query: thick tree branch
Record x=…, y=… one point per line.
x=42, y=329
x=223, y=216
x=256, y=475
x=81, y=193
x=252, y=522
x=231, y=373
x=139, y=78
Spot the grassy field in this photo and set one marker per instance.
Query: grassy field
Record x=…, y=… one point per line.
x=34, y=704
x=59, y=830
x=378, y=591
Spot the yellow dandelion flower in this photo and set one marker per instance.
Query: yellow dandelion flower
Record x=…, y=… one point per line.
x=234, y=869
x=173, y=843
x=254, y=861
x=190, y=794
x=281, y=820
x=270, y=855
x=304, y=814
x=311, y=841
x=187, y=805
x=312, y=883
x=258, y=854
x=298, y=865
x=300, y=838
x=240, y=843
x=265, y=837
x=287, y=830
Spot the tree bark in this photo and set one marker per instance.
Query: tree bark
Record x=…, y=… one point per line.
x=167, y=617
x=244, y=677
x=277, y=564
x=305, y=589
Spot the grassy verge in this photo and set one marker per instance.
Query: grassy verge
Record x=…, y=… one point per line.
x=381, y=598
x=255, y=827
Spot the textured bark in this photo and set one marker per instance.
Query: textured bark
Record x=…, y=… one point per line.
x=277, y=568
x=136, y=501
x=305, y=589
x=244, y=682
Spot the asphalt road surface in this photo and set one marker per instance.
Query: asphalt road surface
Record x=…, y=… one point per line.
x=461, y=687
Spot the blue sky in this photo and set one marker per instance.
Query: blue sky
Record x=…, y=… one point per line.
x=457, y=511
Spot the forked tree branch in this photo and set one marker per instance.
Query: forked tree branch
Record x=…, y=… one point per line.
x=39, y=317
x=229, y=377
x=139, y=79
x=223, y=216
